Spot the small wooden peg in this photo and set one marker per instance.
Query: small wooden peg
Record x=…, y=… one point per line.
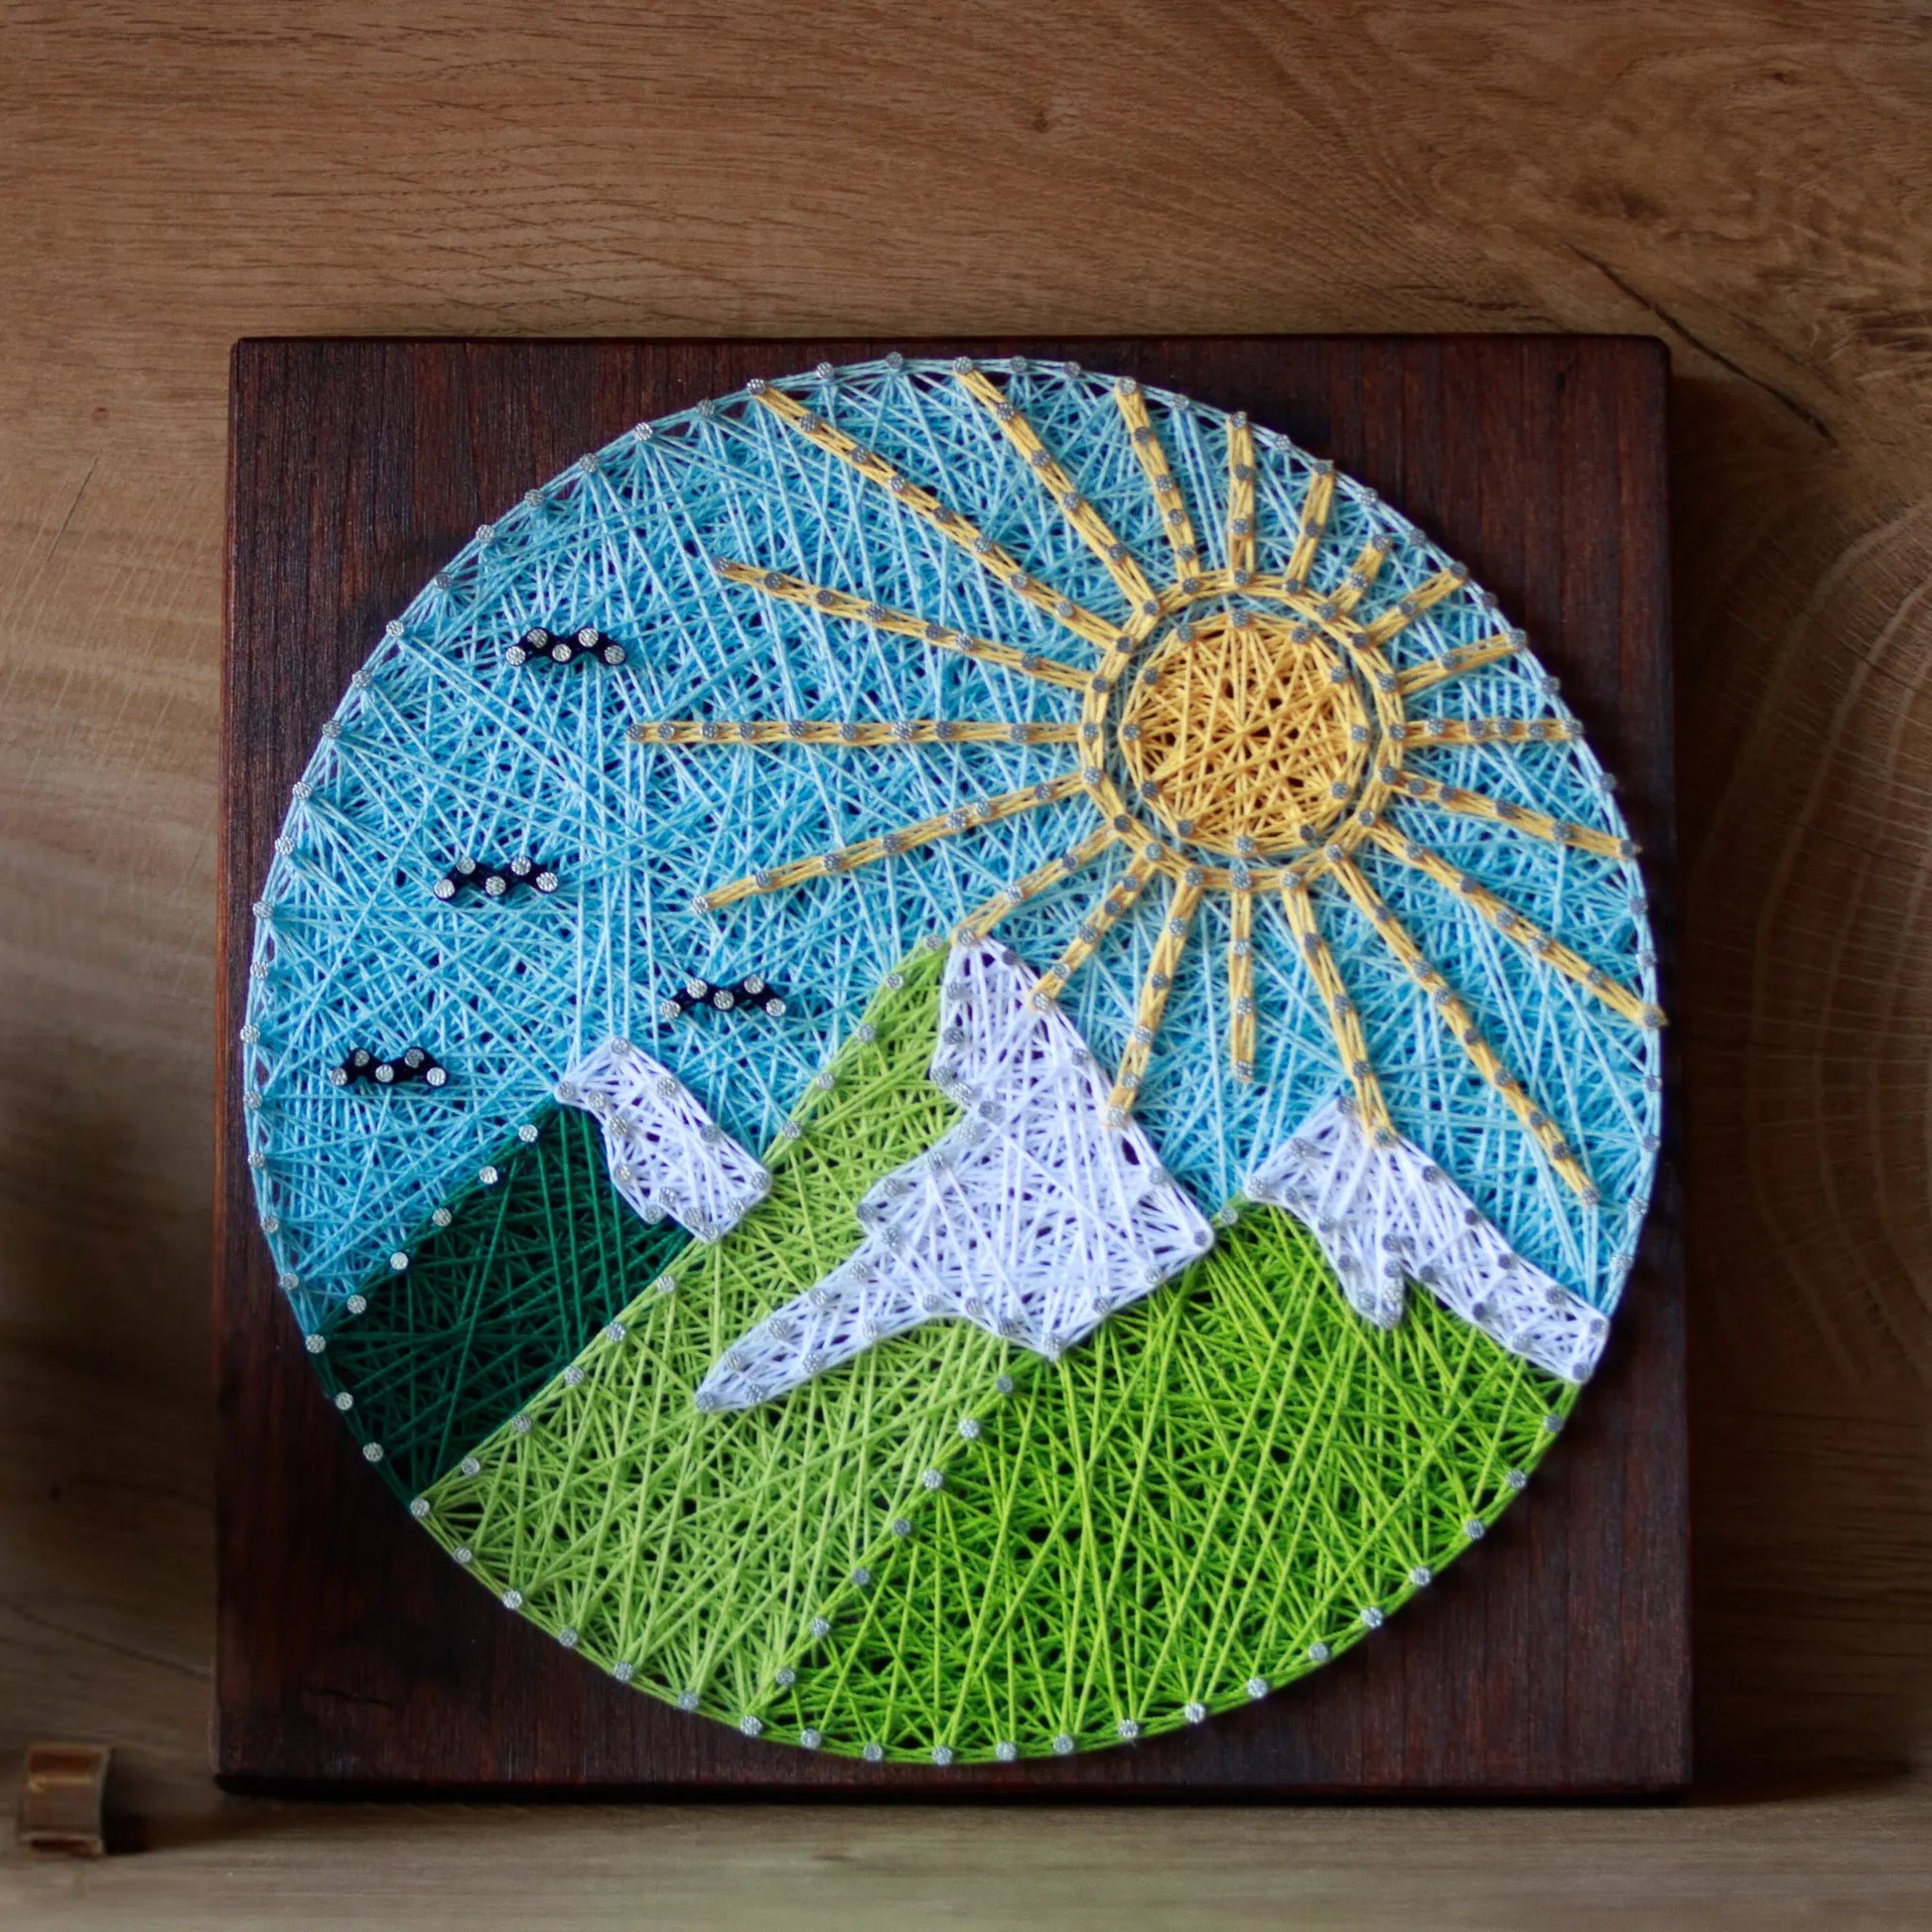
x=61, y=1799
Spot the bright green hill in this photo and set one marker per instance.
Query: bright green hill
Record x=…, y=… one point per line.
x=1224, y=1477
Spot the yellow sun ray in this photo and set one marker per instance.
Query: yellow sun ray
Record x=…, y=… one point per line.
x=785, y=589
x=1488, y=731
x=1518, y=927
x=1461, y=1026
x=1155, y=989
x=1241, y=499
x=1412, y=604
x=1241, y=982
x=1313, y=523
x=798, y=730
x=1452, y=663
x=980, y=921
x=941, y=825
x=1361, y=577
x=997, y=564
x=1100, y=919
x=1371, y=1108
x=1168, y=497
x=1519, y=818
x=1086, y=522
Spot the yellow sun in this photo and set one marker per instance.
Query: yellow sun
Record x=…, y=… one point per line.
x=1239, y=737
x=1260, y=746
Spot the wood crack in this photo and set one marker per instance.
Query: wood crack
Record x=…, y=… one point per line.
x=1791, y=405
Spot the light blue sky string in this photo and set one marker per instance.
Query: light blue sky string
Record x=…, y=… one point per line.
x=441, y=748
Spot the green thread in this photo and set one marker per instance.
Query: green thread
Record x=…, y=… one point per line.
x=697, y=1550
x=494, y=1305
x=1193, y=1509
x=901, y=1558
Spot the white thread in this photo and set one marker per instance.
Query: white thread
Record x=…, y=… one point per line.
x=1030, y=1218
x=665, y=1154
x=1387, y=1215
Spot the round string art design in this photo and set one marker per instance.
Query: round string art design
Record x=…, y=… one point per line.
x=1046, y=1060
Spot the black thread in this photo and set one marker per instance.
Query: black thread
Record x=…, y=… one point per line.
x=495, y=882
x=752, y=993
x=414, y=1065
x=548, y=646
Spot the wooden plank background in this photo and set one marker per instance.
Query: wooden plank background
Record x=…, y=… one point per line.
x=349, y=1646
x=1746, y=181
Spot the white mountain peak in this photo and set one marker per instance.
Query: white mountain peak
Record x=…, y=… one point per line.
x=1031, y=1219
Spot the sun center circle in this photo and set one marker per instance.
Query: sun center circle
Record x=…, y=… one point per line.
x=1245, y=733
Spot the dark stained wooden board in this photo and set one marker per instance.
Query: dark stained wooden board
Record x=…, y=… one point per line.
x=351, y=1653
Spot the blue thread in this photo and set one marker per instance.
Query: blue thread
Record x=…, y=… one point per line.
x=445, y=746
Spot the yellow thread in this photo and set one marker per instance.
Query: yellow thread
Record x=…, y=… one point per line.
x=1489, y=731
x=1362, y=574
x=1086, y=521
x=1099, y=921
x=1461, y=1026
x=783, y=589
x=982, y=919
x=1519, y=818
x=825, y=865
x=797, y=730
x=1168, y=497
x=1239, y=737
x=1519, y=928
x=1241, y=982
x=1371, y=1109
x=1452, y=663
x=1315, y=522
x=1155, y=989
x=997, y=564
x=1408, y=607
x=1241, y=497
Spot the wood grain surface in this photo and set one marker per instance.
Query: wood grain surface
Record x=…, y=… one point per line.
x=1747, y=182
x=349, y=1648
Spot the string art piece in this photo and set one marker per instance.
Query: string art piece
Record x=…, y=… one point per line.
x=1200, y=920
